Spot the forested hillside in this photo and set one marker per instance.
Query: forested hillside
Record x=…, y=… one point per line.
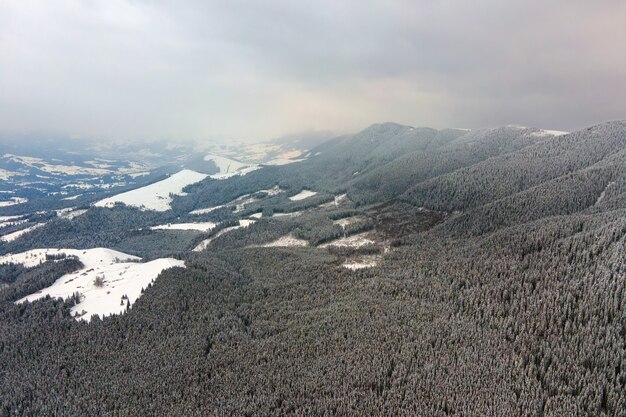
x=494, y=286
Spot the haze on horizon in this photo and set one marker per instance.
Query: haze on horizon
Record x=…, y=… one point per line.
x=261, y=69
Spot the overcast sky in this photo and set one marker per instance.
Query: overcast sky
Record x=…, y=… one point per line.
x=235, y=69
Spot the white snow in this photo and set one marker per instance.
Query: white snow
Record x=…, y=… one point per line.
x=74, y=197
x=603, y=193
x=348, y=221
x=56, y=169
x=339, y=199
x=15, y=235
x=155, y=196
x=205, y=243
x=9, y=218
x=12, y=223
x=229, y=167
x=13, y=201
x=202, y=227
x=139, y=174
x=366, y=261
x=290, y=214
x=70, y=213
x=207, y=210
x=545, y=132
x=288, y=240
x=256, y=215
x=5, y=175
x=302, y=195
x=240, y=202
x=353, y=241
x=121, y=274
x=286, y=158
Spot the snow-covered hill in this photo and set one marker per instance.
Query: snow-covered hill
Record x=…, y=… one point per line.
x=155, y=196
x=109, y=281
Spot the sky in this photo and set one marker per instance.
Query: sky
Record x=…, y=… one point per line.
x=259, y=69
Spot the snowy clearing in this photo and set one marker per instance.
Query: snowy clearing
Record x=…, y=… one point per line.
x=107, y=276
x=288, y=240
x=205, y=243
x=74, y=197
x=207, y=210
x=286, y=158
x=367, y=261
x=70, y=213
x=15, y=235
x=9, y=218
x=12, y=223
x=13, y=201
x=302, y=195
x=55, y=169
x=201, y=227
x=229, y=167
x=349, y=220
x=256, y=215
x=290, y=214
x=544, y=132
x=155, y=196
x=240, y=202
x=354, y=241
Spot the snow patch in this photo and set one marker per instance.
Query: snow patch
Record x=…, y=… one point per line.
x=15, y=235
x=353, y=241
x=288, y=240
x=229, y=167
x=205, y=243
x=201, y=227
x=367, y=261
x=348, y=221
x=155, y=196
x=544, y=133
x=302, y=195
x=106, y=278
x=13, y=201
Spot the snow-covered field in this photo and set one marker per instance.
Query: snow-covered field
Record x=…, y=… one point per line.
x=119, y=275
x=155, y=196
x=70, y=213
x=349, y=220
x=286, y=158
x=15, y=235
x=302, y=195
x=290, y=214
x=13, y=201
x=9, y=218
x=354, y=241
x=256, y=215
x=288, y=240
x=544, y=132
x=240, y=202
x=366, y=261
x=55, y=169
x=201, y=227
x=205, y=243
x=12, y=223
x=229, y=167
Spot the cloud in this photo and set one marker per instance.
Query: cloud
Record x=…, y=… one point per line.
x=258, y=69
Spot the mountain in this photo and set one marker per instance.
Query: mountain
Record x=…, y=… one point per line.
x=394, y=271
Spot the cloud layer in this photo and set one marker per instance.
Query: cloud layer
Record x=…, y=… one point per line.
x=259, y=69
